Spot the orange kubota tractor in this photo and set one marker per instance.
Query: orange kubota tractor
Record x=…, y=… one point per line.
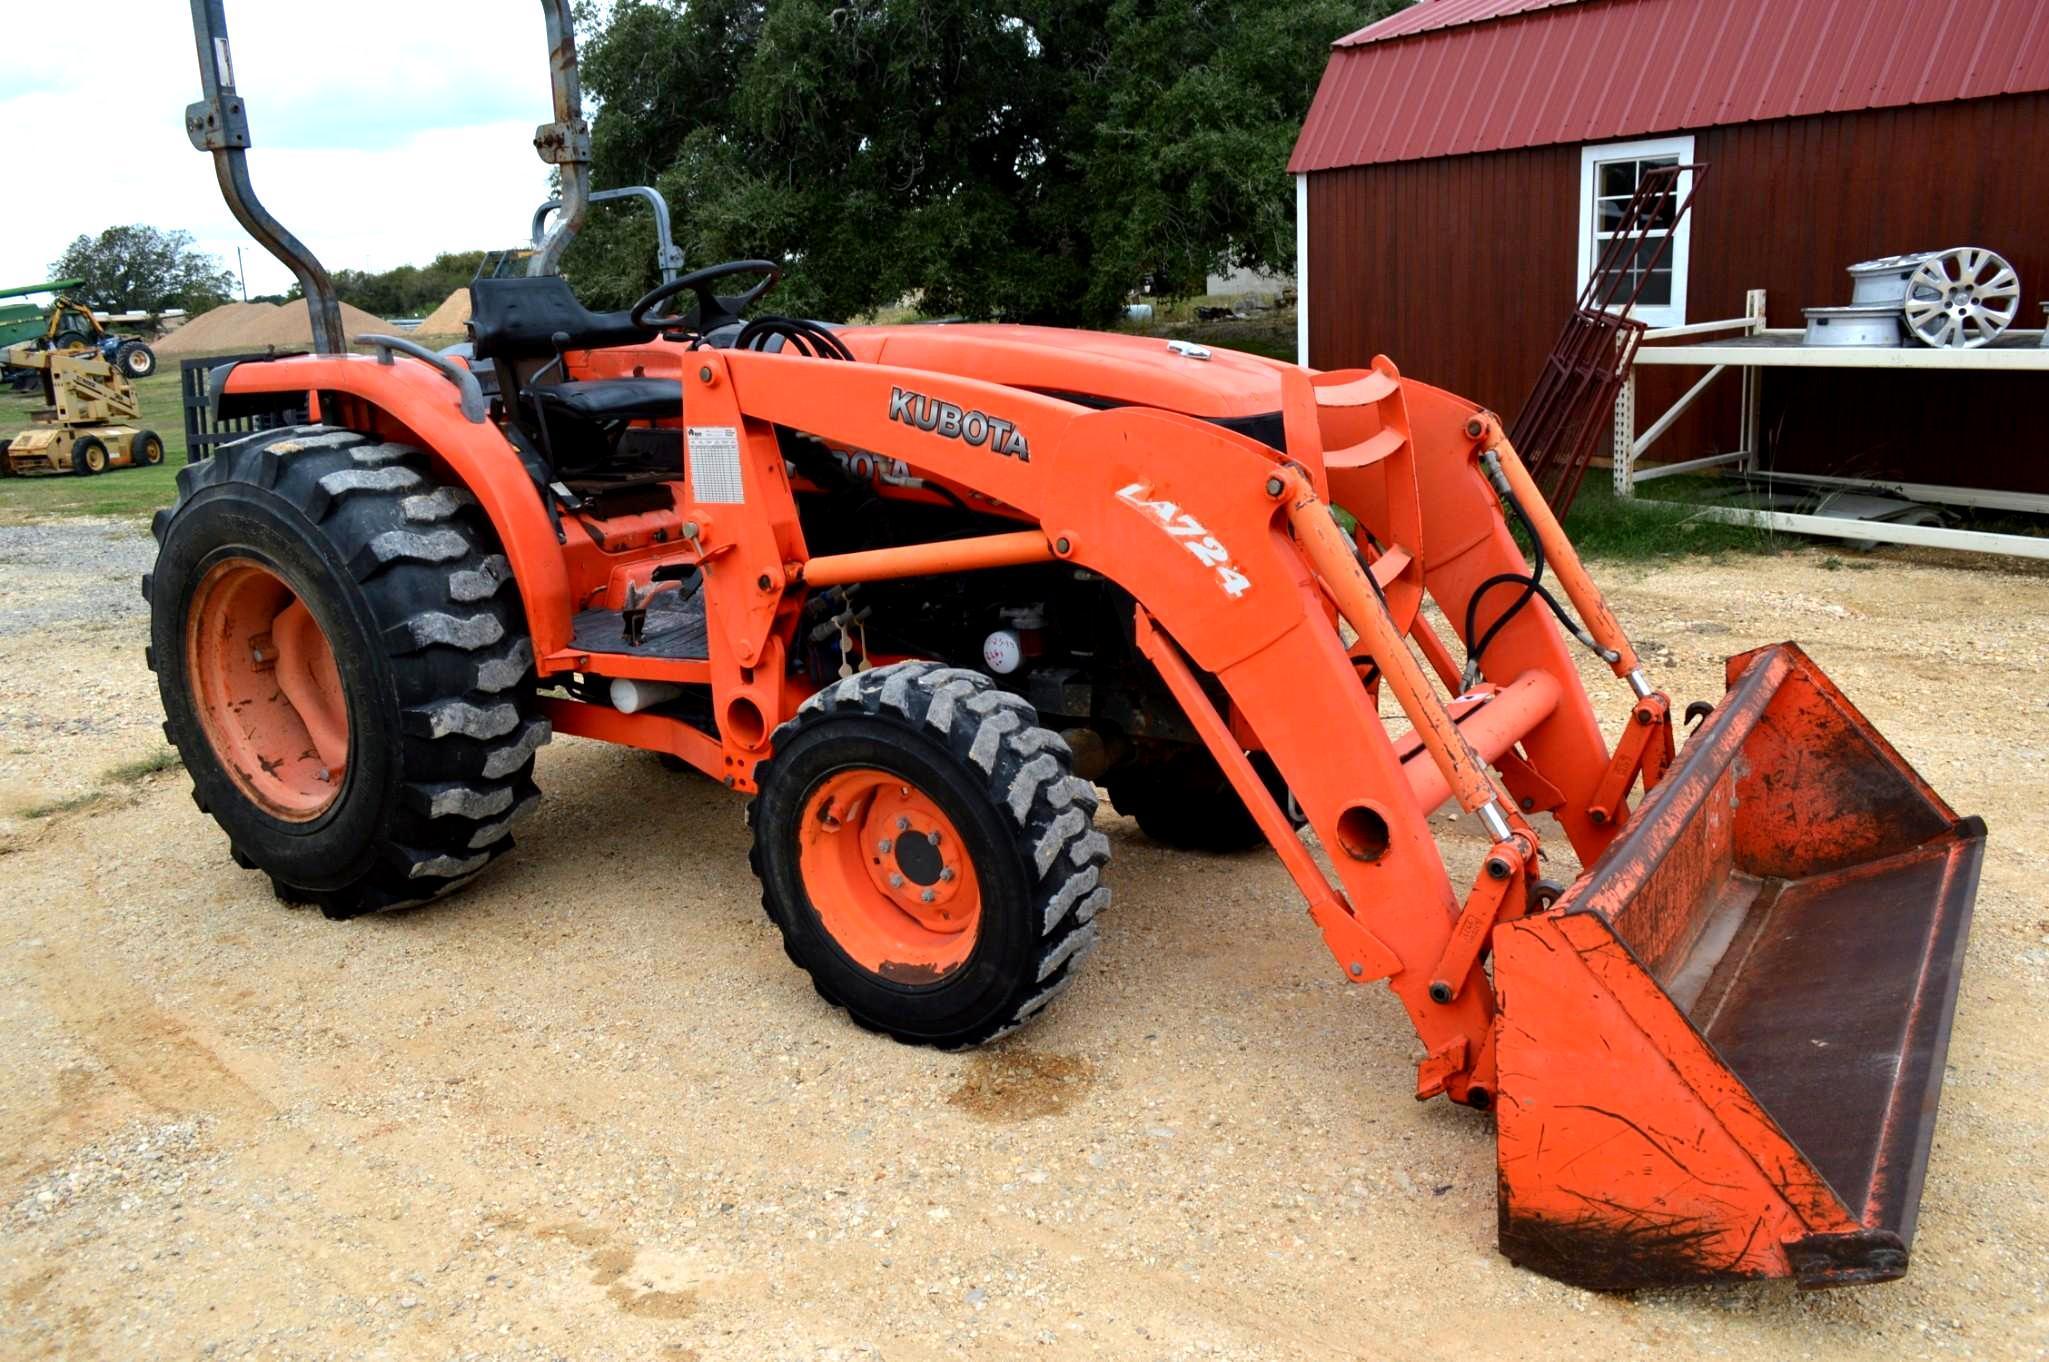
x=920, y=590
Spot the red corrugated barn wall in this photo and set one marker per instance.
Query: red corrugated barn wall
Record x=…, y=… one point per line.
x=1461, y=268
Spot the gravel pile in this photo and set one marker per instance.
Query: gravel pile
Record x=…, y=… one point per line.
x=450, y=317
x=261, y=326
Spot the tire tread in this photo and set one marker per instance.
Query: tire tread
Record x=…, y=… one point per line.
x=1028, y=778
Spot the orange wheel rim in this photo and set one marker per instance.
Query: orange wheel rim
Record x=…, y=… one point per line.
x=269, y=696
x=888, y=876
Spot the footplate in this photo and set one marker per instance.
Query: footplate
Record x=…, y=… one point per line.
x=672, y=628
x=1721, y=1052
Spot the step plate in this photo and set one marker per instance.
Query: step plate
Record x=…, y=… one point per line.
x=675, y=630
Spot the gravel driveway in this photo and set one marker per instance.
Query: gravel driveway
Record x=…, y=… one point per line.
x=74, y=696
x=588, y=1110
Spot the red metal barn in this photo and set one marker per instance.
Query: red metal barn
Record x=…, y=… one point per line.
x=1451, y=175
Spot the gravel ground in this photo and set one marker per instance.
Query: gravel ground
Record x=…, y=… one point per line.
x=588, y=1110
x=74, y=697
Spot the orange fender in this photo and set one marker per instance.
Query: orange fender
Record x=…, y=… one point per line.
x=408, y=401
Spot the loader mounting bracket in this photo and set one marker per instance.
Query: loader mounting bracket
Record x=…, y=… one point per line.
x=1434, y=1074
x=1364, y=957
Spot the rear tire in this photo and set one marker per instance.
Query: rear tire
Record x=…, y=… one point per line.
x=135, y=359
x=88, y=456
x=430, y=653
x=146, y=450
x=1021, y=822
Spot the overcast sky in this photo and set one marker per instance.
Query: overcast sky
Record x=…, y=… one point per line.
x=384, y=131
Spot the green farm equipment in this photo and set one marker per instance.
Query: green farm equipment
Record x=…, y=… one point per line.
x=68, y=325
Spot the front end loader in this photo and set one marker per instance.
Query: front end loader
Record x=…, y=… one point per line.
x=924, y=591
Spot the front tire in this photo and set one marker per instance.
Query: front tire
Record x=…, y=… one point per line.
x=146, y=450
x=88, y=456
x=344, y=668
x=928, y=854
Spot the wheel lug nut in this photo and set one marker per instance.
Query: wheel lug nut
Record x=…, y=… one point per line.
x=933, y=837
x=884, y=845
x=946, y=873
x=896, y=881
x=903, y=825
x=927, y=896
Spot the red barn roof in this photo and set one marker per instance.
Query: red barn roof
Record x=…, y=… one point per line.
x=1452, y=77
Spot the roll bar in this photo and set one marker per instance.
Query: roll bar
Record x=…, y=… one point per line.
x=219, y=123
x=668, y=256
x=565, y=143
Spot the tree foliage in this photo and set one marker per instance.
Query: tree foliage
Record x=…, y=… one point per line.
x=1036, y=161
x=409, y=290
x=144, y=269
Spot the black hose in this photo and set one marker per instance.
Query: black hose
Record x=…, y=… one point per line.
x=1532, y=584
x=806, y=338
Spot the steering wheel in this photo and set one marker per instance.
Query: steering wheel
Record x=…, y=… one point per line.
x=713, y=311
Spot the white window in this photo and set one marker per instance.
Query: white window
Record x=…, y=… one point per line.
x=1608, y=177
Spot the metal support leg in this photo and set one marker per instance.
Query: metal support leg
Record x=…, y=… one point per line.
x=1625, y=436
x=1753, y=384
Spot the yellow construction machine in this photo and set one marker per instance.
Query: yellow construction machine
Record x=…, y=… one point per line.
x=84, y=424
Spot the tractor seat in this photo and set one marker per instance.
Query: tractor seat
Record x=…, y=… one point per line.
x=518, y=318
x=613, y=399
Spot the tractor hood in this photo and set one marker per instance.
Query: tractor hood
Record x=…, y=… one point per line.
x=1097, y=369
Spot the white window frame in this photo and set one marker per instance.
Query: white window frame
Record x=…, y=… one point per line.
x=1302, y=270
x=1673, y=314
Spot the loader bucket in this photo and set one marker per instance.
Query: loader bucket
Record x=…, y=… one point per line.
x=1720, y=1052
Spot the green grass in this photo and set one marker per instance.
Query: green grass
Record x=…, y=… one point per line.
x=122, y=773
x=133, y=492
x=1650, y=526
x=128, y=772
x=1269, y=332
x=62, y=806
